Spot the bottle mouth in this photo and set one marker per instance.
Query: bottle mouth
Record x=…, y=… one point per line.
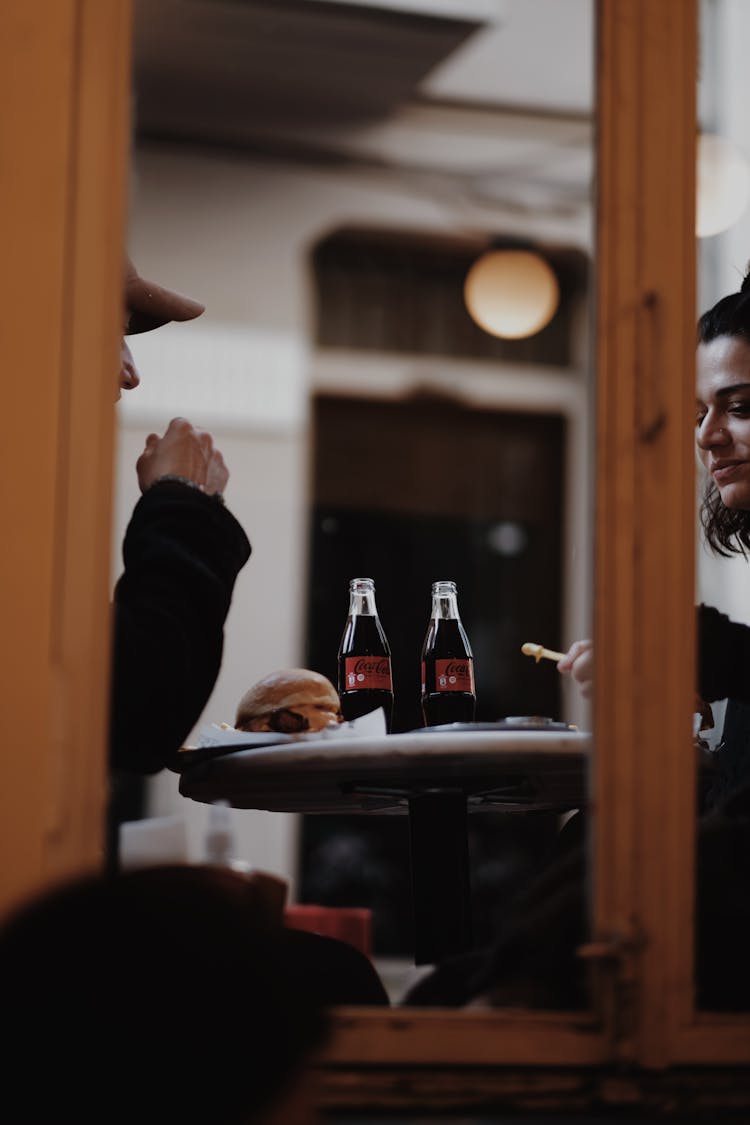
x=444, y=586
x=361, y=585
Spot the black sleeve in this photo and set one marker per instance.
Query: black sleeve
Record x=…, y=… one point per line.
x=182, y=553
x=723, y=656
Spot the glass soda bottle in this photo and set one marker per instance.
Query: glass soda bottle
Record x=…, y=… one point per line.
x=448, y=694
x=364, y=661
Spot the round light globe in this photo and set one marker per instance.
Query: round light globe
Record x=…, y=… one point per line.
x=511, y=293
x=723, y=185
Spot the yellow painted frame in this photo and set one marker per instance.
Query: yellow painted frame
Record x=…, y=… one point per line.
x=64, y=82
x=64, y=86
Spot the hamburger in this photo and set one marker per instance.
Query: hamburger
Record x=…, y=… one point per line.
x=290, y=701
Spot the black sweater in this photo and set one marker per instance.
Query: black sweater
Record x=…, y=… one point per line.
x=724, y=673
x=182, y=553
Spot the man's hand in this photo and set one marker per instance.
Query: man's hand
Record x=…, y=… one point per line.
x=578, y=662
x=183, y=451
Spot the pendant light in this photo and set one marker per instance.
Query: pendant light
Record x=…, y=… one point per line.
x=511, y=293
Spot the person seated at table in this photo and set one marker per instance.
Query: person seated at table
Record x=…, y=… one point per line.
x=156, y=995
x=182, y=553
x=535, y=956
x=723, y=444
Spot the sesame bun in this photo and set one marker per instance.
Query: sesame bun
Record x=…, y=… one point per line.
x=291, y=701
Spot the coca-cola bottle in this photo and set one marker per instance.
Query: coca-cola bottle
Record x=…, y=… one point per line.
x=365, y=680
x=448, y=694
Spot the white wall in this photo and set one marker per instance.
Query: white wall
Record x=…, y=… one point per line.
x=236, y=235
x=724, y=259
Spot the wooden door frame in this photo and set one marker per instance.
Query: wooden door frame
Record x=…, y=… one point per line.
x=645, y=513
x=65, y=81
x=646, y=520
x=64, y=215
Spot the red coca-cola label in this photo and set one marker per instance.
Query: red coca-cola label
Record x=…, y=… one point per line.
x=454, y=675
x=367, y=673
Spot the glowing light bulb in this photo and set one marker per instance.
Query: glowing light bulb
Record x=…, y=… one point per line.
x=511, y=293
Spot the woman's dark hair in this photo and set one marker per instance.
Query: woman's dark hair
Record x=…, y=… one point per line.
x=727, y=530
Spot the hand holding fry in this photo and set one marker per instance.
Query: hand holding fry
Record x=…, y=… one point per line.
x=578, y=662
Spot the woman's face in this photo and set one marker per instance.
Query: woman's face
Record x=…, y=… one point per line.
x=723, y=417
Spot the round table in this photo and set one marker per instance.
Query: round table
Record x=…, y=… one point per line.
x=436, y=777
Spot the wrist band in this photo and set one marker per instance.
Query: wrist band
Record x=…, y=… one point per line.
x=177, y=479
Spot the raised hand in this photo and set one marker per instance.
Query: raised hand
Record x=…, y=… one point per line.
x=183, y=451
x=578, y=662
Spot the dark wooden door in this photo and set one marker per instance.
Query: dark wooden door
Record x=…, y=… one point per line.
x=407, y=492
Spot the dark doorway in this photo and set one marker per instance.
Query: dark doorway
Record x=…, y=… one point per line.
x=409, y=492
x=406, y=492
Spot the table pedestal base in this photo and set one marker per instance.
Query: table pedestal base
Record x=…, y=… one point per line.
x=441, y=892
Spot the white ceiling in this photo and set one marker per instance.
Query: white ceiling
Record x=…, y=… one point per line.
x=490, y=99
x=536, y=55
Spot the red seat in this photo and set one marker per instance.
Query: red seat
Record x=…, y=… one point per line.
x=347, y=923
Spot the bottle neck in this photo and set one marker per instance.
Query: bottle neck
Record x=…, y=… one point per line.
x=362, y=600
x=362, y=605
x=444, y=607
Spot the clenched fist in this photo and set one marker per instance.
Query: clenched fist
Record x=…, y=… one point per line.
x=183, y=451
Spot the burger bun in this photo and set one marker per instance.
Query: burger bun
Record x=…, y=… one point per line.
x=289, y=701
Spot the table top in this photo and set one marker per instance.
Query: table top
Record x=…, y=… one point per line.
x=508, y=770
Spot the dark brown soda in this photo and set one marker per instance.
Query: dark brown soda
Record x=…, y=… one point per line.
x=363, y=636
x=448, y=707
x=446, y=640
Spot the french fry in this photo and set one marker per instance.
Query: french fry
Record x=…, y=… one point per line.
x=539, y=652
